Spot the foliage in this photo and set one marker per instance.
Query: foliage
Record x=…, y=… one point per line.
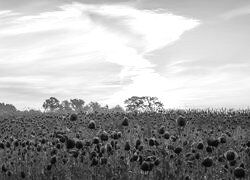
x=65, y=106
x=51, y=104
x=77, y=104
x=143, y=104
x=7, y=107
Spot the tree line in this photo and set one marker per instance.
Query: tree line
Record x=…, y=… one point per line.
x=77, y=105
x=132, y=104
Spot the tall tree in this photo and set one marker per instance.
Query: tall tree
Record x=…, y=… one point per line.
x=143, y=104
x=51, y=104
x=77, y=104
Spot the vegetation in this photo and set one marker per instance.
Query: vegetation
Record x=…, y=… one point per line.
x=143, y=104
x=7, y=108
x=170, y=144
x=76, y=105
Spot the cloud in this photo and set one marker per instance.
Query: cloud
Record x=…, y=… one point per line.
x=243, y=11
x=67, y=42
x=7, y=13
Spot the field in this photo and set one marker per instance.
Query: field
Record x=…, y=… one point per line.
x=172, y=145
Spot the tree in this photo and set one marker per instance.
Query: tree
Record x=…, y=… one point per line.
x=77, y=104
x=51, y=104
x=65, y=106
x=7, y=107
x=143, y=104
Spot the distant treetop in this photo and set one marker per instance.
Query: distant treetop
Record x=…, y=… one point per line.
x=143, y=104
x=7, y=107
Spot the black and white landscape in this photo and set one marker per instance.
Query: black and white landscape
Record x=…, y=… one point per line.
x=115, y=89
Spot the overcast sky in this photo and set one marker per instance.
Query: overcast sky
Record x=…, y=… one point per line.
x=191, y=53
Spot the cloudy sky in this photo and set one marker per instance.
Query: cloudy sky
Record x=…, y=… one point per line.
x=191, y=53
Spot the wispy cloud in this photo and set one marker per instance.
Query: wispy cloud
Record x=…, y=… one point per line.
x=236, y=13
x=76, y=38
x=107, y=52
x=8, y=13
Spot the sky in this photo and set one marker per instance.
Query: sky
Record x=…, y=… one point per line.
x=189, y=54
